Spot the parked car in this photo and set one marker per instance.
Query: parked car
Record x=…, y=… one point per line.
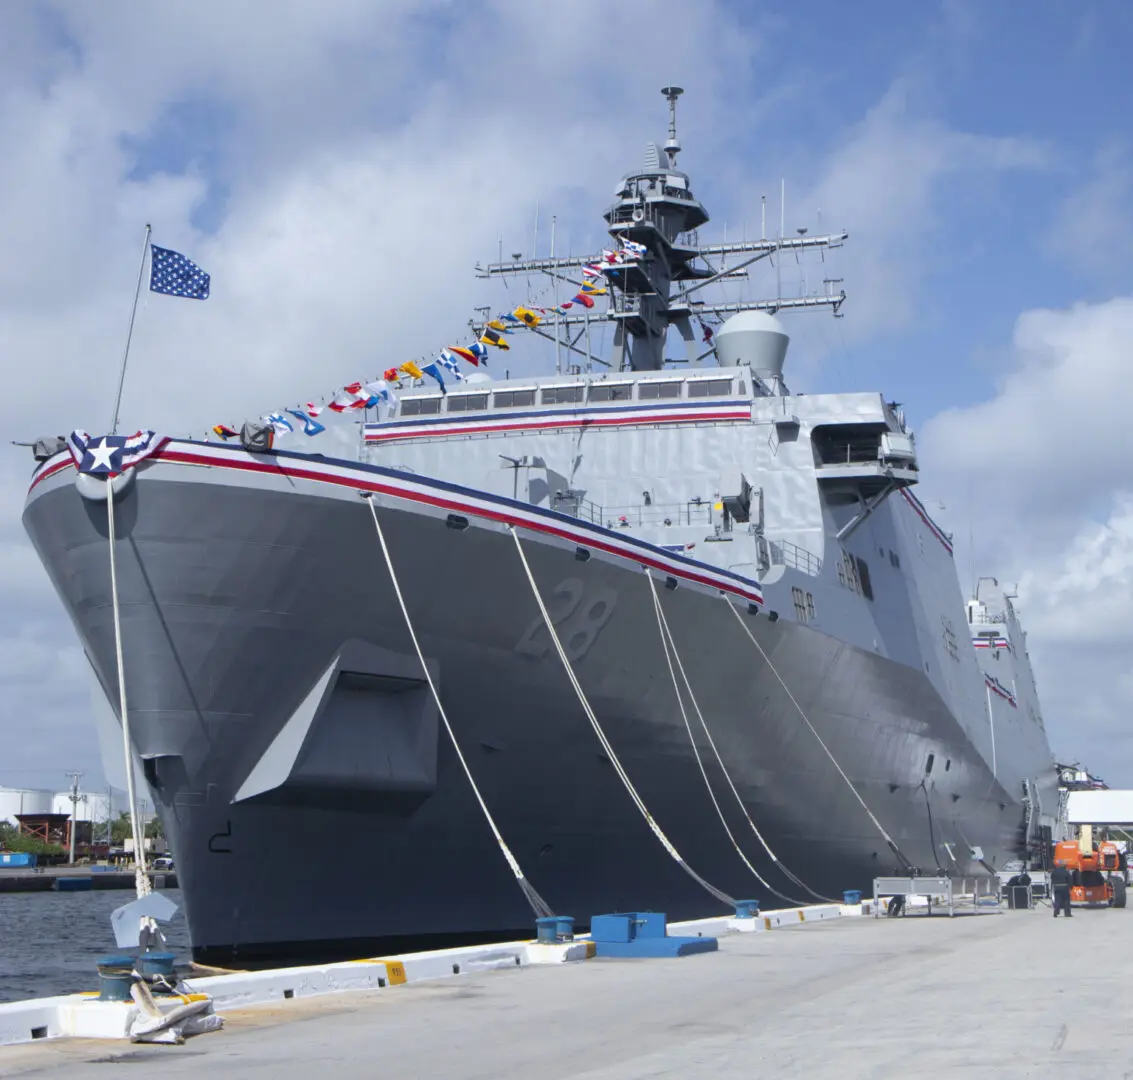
x=163, y=862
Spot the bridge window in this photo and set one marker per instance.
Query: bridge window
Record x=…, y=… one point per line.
x=467, y=402
x=650, y=390
x=561, y=395
x=611, y=391
x=420, y=406
x=709, y=387
x=509, y=399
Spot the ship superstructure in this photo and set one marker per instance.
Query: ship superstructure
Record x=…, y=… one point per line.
x=813, y=601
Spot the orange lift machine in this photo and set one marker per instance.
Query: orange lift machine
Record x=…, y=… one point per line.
x=1098, y=870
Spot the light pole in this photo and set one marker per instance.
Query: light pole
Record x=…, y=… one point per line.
x=75, y=778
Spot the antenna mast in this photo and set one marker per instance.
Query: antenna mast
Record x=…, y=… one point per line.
x=653, y=281
x=672, y=145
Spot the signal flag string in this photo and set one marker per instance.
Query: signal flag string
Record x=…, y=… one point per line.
x=666, y=843
x=669, y=643
x=814, y=731
x=538, y=904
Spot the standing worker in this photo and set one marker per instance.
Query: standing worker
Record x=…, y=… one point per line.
x=1060, y=887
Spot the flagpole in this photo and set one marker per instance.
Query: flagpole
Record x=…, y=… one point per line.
x=130, y=332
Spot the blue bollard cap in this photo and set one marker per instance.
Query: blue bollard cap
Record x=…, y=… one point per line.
x=121, y=960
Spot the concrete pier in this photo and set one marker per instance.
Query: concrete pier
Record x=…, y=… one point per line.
x=46, y=879
x=1016, y=994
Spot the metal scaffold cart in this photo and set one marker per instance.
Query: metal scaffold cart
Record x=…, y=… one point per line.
x=951, y=896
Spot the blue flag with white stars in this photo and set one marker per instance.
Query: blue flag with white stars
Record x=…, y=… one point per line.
x=170, y=272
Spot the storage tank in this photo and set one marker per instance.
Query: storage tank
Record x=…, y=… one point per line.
x=15, y=801
x=756, y=339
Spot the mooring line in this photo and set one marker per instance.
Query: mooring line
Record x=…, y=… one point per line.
x=720, y=895
x=141, y=877
x=666, y=644
x=814, y=731
x=538, y=904
x=669, y=642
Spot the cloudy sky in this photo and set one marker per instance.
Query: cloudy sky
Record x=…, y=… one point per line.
x=341, y=165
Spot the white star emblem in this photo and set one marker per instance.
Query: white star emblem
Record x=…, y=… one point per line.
x=102, y=455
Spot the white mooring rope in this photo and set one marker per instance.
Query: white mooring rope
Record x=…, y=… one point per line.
x=723, y=897
x=669, y=643
x=538, y=904
x=806, y=720
x=141, y=877
x=666, y=644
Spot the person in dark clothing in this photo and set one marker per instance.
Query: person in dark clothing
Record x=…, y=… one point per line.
x=1060, y=889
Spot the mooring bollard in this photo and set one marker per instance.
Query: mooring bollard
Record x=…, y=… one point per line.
x=554, y=929
x=115, y=976
x=157, y=969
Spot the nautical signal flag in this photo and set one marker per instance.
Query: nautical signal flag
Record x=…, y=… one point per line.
x=528, y=317
x=411, y=368
x=313, y=410
x=480, y=352
x=495, y=324
x=584, y=300
x=391, y=375
x=491, y=337
x=224, y=431
x=463, y=353
x=593, y=290
x=434, y=372
x=170, y=272
x=378, y=390
x=310, y=427
x=448, y=361
x=279, y=423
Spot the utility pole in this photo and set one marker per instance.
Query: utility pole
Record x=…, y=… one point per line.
x=75, y=778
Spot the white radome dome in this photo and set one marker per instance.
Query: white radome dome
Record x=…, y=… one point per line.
x=756, y=339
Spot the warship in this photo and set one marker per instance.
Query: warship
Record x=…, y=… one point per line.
x=558, y=542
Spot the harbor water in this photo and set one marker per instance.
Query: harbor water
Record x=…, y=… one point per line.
x=50, y=942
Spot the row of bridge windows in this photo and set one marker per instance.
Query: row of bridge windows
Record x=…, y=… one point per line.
x=647, y=390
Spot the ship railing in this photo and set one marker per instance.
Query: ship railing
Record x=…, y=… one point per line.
x=693, y=512
x=784, y=553
x=849, y=453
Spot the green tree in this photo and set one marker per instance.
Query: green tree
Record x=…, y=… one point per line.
x=120, y=829
x=11, y=839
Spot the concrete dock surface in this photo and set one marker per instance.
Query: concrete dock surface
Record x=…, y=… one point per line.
x=1016, y=994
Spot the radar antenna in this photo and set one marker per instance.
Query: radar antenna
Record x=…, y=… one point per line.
x=655, y=279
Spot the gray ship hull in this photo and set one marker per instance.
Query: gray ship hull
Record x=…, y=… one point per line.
x=313, y=803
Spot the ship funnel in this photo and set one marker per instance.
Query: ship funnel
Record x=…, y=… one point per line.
x=756, y=339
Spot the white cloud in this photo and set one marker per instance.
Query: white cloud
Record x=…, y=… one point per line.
x=1057, y=437
x=1093, y=227
x=883, y=184
x=1038, y=476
